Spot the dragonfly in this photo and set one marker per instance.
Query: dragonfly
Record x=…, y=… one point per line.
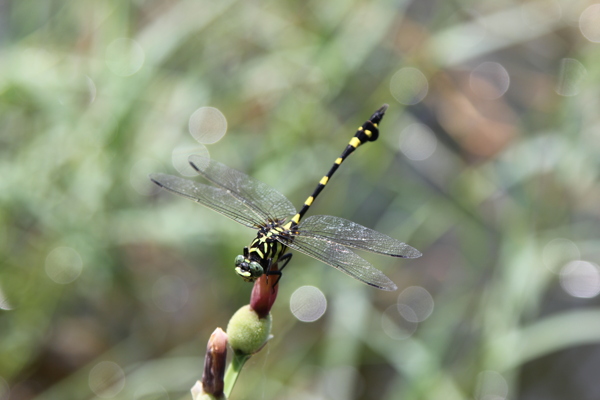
x=280, y=227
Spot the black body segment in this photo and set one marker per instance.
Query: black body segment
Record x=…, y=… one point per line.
x=258, y=206
x=368, y=132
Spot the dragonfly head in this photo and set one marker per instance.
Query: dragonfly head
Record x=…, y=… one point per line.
x=248, y=270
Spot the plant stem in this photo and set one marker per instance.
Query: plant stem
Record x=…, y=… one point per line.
x=233, y=371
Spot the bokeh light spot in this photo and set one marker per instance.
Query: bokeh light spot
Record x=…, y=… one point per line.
x=489, y=80
x=124, y=57
x=589, y=23
x=395, y=325
x=558, y=252
x=170, y=293
x=63, y=265
x=491, y=386
x=180, y=155
x=208, y=125
x=409, y=86
x=417, y=142
x=106, y=379
x=308, y=303
x=580, y=279
x=571, y=77
x=418, y=300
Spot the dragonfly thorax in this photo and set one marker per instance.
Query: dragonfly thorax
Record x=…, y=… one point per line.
x=263, y=252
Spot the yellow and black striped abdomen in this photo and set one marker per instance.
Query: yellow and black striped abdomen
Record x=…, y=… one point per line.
x=368, y=132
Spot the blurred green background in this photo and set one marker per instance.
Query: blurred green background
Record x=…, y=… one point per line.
x=488, y=163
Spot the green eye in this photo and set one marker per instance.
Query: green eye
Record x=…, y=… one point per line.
x=248, y=270
x=239, y=260
x=255, y=269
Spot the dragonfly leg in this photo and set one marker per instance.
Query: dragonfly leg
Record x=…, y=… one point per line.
x=277, y=272
x=269, y=272
x=286, y=259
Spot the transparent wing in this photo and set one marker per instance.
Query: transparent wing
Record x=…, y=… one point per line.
x=266, y=202
x=351, y=234
x=340, y=257
x=220, y=200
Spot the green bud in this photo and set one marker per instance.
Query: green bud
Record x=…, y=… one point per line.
x=247, y=332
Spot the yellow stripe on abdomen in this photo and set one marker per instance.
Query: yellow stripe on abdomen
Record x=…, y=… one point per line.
x=368, y=132
x=295, y=219
x=354, y=142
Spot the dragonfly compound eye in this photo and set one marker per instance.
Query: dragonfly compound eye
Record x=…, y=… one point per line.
x=248, y=270
x=255, y=269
